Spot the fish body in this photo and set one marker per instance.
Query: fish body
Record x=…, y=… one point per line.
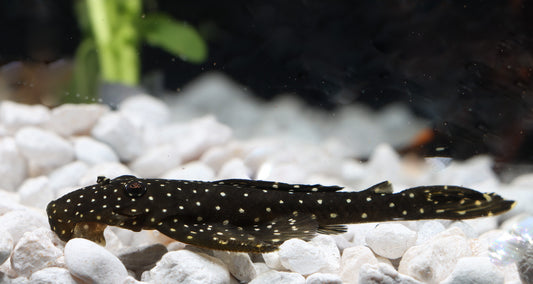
x=252, y=216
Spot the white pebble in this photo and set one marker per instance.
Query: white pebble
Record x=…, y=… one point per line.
x=92, y=263
x=192, y=171
x=320, y=278
x=13, y=169
x=14, y=115
x=144, y=110
x=390, y=240
x=467, y=229
x=481, y=225
x=119, y=132
x=9, y=201
x=70, y=119
x=185, y=266
x=35, y=251
x=6, y=245
x=434, y=260
x=524, y=180
x=461, y=172
x=131, y=280
x=332, y=255
x=191, y=139
x=67, y=176
x=273, y=276
x=52, y=275
x=217, y=156
x=93, y=152
x=384, y=164
x=384, y=274
x=43, y=149
x=303, y=257
x=351, y=261
x=272, y=260
x=234, y=168
x=239, y=264
x=35, y=192
x=156, y=161
x=475, y=270
x=359, y=232
x=18, y=222
x=427, y=230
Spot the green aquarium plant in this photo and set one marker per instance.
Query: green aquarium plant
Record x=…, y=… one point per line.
x=112, y=31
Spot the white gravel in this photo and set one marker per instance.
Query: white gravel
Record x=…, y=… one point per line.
x=214, y=130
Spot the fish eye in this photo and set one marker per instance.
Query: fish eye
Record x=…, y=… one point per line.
x=135, y=188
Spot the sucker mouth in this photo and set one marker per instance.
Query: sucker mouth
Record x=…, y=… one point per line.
x=92, y=231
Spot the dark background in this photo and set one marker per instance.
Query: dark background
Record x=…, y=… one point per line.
x=465, y=65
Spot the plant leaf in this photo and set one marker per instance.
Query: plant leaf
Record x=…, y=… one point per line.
x=176, y=38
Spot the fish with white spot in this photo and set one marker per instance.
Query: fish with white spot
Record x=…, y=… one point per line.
x=249, y=215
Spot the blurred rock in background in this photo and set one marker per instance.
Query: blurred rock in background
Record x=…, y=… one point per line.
x=464, y=65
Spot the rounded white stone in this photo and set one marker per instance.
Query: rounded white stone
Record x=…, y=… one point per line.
x=184, y=266
x=474, y=270
x=320, y=278
x=120, y=133
x=144, y=110
x=35, y=192
x=234, y=168
x=384, y=273
x=70, y=119
x=52, y=275
x=34, y=251
x=67, y=176
x=391, y=240
x=191, y=139
x=428, y=229
x=9, y=201
x=6, y=245
x=93, y=152
x=272, y=260
x=273, y=276
x=239, y=264
x=192, y=171
x=351, y=261
x=156, y=161
x=303, y=257
x=14, y=115
x=92, y=263
x=332, y=255
x=434, y=260
x=44, y=149
x=18, y=222
x=13, y=169
x=217, y=156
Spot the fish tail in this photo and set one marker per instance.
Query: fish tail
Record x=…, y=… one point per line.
x=379, y=204
x=453, y=202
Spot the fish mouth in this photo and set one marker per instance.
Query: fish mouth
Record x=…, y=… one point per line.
x=92, y=231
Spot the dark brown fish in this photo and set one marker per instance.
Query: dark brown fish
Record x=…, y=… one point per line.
x=249, y=215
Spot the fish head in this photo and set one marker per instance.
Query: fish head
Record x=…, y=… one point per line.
x=87, y=211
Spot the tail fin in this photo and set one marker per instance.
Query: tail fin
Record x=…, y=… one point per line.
x=454, y=202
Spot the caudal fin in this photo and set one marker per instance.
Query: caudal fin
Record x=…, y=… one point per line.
x=454, y=202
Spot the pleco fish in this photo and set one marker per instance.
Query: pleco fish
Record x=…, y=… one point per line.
x=249, y=215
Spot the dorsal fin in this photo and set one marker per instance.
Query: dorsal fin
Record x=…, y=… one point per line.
x=270, y=185
x=382, y=187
